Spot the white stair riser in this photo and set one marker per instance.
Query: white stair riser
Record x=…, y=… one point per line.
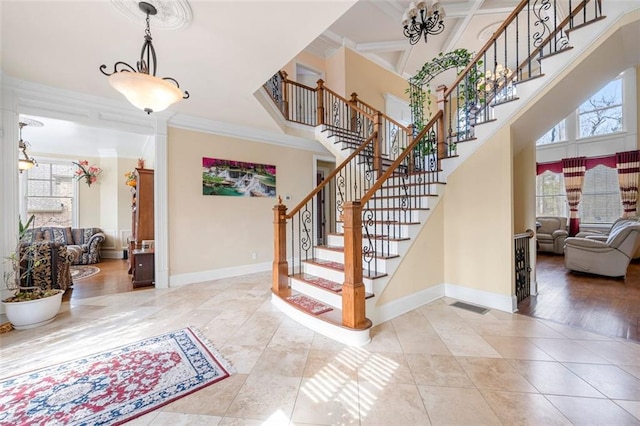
x=330, y=298
x=319, y=271
x=392, y=247
x=332, y=255
x=398, y=214
x=410, y=191
x=418, y=201
x=391, y=230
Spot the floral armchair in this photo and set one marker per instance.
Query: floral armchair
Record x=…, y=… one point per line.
x=45, y=264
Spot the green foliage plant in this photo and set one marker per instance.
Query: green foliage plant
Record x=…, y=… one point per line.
x=14, y=278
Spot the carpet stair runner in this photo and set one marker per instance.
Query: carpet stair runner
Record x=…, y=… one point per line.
x=309, y=304
x=318, y=287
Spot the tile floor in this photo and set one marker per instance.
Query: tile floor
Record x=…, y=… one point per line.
x=434, y=365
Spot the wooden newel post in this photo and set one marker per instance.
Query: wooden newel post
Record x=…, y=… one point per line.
x=353, y=294
x=320, y=94
x=442, y=103
x=354, y=114
x=285, y=95
x=280, y=278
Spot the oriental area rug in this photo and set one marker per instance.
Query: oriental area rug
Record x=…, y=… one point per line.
x=79, y=272
x=116, y=385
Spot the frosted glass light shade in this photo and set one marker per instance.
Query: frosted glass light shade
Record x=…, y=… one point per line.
x=25, y=164
x=144, y=91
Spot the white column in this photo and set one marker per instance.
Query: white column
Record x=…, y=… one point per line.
x=8, y=178
x=161, y=206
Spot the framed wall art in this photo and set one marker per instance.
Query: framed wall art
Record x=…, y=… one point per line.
x=237, y=178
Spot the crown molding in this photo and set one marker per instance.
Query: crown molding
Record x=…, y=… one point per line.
x=40, y=100
x=241, y=132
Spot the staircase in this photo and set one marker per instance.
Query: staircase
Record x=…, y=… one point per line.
x=383, y=192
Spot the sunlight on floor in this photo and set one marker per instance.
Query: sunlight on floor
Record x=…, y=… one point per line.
x=332, y=383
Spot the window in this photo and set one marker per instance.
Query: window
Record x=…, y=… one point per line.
x=49, y=194
x=602, y=113
x=601, y=201
x=600, y=196
x=557, y=134
x=550, y=195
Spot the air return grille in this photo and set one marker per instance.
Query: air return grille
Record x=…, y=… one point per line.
x=472, y=308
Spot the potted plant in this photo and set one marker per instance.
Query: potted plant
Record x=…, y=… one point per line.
x=29, y=306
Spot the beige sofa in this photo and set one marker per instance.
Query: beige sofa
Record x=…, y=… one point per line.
x=551, y=233
x=610, y=258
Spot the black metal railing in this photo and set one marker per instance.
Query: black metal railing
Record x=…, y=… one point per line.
x=394, y=202
x=523, y=264
x=311, y=221
x=534, y=30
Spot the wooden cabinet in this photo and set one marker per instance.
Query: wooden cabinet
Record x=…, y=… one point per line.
x=141, y=218
x=143, y=268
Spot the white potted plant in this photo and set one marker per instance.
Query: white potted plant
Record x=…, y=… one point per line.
x=28, y=306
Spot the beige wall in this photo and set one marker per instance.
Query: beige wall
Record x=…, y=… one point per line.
x=478, y=239
x=306, y=59
x=371, y=81
x=335, y=78
x=524, y=187
x=422, y=266
x=213, y=232
x=638, y=105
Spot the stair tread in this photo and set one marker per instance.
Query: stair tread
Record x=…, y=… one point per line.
x=406, y=209
x=333, y=316
x=401, y=196
x=374, y=236
x=387, y=222
x=323, y=283
x=341, y=249
x=340, y=267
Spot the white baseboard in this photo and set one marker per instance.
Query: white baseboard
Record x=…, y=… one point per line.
x=407, y=303
x=501, y=302
x=216, y=274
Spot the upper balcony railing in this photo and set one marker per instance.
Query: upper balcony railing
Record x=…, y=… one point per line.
x=534, y=30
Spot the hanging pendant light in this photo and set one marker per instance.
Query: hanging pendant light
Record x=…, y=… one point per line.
x=140, y=85
x=24, y=162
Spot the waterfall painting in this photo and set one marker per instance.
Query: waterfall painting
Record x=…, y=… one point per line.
x=237, y=178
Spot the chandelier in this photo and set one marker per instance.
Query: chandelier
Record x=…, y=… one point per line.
x=419, y=20
x=140, y=85
x=494, y=81
x=25, y=162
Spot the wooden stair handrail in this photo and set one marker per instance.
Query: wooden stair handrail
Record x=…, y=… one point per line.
x=487, y=45
x=358, y=109
x=553, y=33
x=391, y=169
x=499, y=32
x=331, y=175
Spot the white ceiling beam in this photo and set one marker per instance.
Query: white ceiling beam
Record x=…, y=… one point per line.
x=383, y=46
x=461, y=27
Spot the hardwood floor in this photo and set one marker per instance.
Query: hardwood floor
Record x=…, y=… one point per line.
x=609, y=306
x=112, y=278
x=604, y=305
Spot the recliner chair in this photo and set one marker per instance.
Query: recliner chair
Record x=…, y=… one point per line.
x=603, y=235
x=551, y=233
x=610, y=258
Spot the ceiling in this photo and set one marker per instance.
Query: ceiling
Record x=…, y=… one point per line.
x=221, y=57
